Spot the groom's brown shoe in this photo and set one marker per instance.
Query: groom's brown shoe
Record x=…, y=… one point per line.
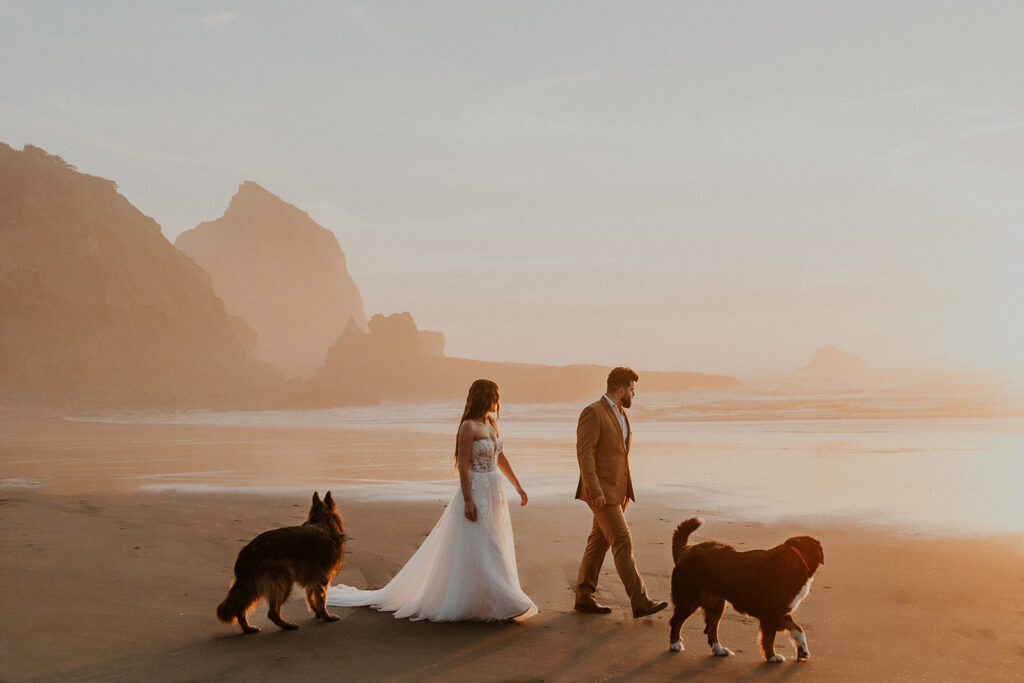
x=591, y=607
x=650, y=609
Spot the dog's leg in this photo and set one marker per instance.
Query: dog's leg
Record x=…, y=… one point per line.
x=275, y=616
x=244, y=623
x=682, y=613
x=713, y=609
x=769, y=627
x=798, y=636
x=277, y=592
x=316, y=598
x=240, y=599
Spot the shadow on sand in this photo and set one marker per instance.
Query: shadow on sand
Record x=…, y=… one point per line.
x=369, y=645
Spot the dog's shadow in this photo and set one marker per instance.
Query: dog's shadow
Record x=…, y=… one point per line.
x=778, y=671
x=703, y=669
x=718, y=668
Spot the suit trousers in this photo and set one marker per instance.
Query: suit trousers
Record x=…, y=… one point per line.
x=610, y=530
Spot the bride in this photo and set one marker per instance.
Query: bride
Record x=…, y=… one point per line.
x=466, y=568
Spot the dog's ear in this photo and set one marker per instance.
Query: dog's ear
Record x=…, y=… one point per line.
x=329, y=500
x=316, y=499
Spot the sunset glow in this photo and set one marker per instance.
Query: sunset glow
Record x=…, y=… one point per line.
x=623, y=321
x=741, y=185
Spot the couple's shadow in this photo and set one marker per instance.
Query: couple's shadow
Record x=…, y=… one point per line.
x=370, y=645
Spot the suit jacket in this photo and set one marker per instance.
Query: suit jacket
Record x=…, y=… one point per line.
x=603, y=456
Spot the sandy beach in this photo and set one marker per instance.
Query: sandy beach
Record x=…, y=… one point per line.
x=103, y=581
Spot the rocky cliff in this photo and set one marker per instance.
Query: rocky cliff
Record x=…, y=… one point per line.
x=829, y=361
x=281, y=272
x=395, y=360
x=97, y=306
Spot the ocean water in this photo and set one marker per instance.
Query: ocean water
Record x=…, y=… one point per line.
x=747, y=456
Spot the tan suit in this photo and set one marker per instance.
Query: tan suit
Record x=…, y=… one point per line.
x=603, y=456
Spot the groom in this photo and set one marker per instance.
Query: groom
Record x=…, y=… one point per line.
x=602, y=447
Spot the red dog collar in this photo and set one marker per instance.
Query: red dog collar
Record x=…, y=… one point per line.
x=800, y=555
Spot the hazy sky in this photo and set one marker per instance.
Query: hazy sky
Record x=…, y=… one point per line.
x=715, y=186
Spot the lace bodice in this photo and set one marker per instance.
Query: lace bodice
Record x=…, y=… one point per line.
x=484, y=455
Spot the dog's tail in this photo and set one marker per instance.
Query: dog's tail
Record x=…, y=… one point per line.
x=242, y=596
x=681, y=536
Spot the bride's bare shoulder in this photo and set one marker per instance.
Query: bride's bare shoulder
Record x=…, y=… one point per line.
x=471, y=428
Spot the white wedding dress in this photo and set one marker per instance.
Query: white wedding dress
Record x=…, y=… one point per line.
x=464, y=571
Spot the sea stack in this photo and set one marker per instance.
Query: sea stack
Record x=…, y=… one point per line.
x=281, y=272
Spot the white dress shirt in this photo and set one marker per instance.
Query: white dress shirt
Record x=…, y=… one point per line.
x=622, y=418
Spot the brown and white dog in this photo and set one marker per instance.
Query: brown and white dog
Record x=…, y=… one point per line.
x=767, y=584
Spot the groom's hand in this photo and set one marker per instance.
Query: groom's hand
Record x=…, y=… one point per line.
x=597, y=502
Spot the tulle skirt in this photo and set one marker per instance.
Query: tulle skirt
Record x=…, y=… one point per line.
x=463, y=571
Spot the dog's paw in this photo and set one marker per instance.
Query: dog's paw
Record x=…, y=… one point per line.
x=330, y=617
x=800, y=643
x=776, y=658
x=676, y=646
x=251, y=629
x=720, y=650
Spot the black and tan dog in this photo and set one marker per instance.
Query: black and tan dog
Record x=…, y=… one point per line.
x=767, y=584
x=309, y=555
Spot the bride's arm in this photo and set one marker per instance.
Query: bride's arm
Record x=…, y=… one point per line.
x=463, y=450
x=506, y=467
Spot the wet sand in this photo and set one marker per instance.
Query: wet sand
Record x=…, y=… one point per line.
x=105, y=582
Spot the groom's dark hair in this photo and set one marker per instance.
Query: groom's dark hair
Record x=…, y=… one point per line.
x=621, y=377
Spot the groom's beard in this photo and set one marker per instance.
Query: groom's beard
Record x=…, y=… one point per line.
x=626, y=401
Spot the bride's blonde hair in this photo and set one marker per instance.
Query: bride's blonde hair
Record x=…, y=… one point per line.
x=483, y=395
